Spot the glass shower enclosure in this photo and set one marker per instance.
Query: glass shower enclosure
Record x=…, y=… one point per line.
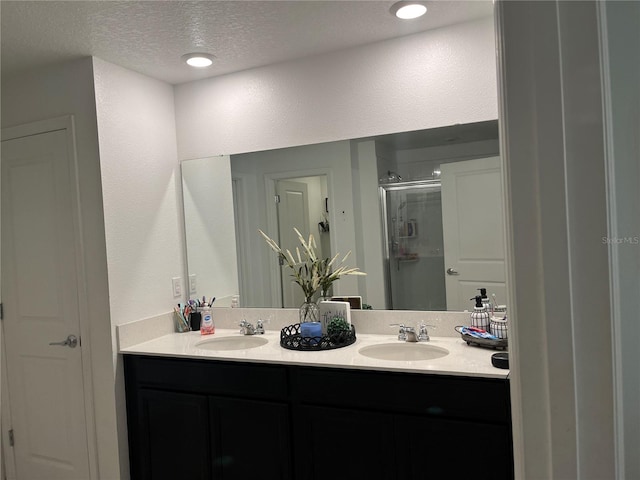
x=413, y=245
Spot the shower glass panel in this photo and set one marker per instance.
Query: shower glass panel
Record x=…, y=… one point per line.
x=414, y=247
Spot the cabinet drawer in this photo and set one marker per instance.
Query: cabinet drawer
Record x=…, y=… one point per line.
x=432, y=395
x=209, y=377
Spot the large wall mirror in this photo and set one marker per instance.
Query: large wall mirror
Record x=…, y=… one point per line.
x=421, y=213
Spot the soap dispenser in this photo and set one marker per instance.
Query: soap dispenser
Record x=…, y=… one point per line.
x=485, y=300
x=207, y=327
x=480, y=316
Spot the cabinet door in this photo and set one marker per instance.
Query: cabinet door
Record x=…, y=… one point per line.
x=435, y=449
x=173, y=440
x=251, y=439
x=336, y=444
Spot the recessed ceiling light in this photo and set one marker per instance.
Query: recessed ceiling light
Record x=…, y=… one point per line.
x=198, y=60
x=407, y=10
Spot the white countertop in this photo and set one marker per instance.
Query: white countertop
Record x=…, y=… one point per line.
x=462, y=360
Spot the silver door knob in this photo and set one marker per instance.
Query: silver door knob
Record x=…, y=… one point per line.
x=71, y=341
x=451, y=271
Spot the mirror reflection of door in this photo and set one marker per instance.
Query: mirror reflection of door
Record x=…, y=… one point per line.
x=301, y=205
x=473, y=221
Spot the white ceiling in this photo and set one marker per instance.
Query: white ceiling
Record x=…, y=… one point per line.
x=151, y=36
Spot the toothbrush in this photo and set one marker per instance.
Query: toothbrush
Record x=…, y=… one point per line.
x=493, y=296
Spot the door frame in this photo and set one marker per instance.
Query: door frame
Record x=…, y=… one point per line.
x=270, y=180
x=67, y=124
x=7, y=458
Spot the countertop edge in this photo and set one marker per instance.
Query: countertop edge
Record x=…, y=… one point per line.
x=182, y=345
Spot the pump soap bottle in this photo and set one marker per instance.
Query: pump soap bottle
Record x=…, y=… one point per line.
x=479, y=316
x=485, y=300
x=207, y=327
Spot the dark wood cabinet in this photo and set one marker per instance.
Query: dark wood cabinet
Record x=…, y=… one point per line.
x=205, y=419
x=250, y=437
x=197, y=419
x=434, y=448
x=173, y=436
x=340, y=443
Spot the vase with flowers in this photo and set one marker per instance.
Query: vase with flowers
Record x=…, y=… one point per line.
x=329, y=274
x=311, y=272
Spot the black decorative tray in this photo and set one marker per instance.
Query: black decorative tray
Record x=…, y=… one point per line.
x=500, y=344
x=291, y=339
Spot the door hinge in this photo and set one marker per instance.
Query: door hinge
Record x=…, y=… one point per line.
x=281, y=261
x=11, y=440
x=1, y=311
x=276, y=198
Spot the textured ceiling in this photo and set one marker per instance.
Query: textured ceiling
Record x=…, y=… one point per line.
x=151, y=36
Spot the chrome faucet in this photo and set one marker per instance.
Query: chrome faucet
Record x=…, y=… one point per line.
x=408, y=334
x=246, y=328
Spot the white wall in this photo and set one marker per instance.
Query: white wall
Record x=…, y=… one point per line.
x=141, y=201
x=51, y=92
x=211, y=239
x=368, y=226
x=141, y=191
x=432, y=79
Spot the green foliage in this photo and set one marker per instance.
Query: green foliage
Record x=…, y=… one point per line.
x=309, y=271
x=337, y=325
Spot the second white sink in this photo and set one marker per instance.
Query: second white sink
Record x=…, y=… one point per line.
x=403, y=351
x=232, y=343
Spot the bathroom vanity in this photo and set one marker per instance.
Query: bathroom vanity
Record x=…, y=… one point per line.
x=198, y=414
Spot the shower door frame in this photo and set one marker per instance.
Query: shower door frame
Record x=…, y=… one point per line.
x=386, y=239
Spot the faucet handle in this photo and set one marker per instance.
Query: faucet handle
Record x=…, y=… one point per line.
x=423, y=334
x=245, y=327
x=260, y=325
x=402, y=332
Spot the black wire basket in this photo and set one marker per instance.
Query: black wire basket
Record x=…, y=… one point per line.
x=291, y=339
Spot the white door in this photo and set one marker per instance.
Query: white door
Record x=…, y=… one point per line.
x=473, y=225
x=40, y=299
x=293, y=211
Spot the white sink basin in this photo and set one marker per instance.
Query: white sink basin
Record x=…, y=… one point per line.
x=232, y=343
x=403, y=351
